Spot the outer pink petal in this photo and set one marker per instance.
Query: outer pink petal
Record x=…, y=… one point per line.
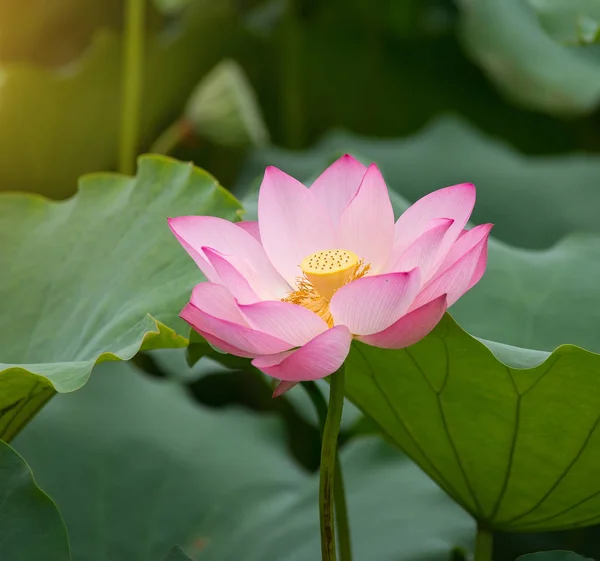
x=213, y=312
x=367, y=223
x=370, y=304
x=286, y=321
x=230, y=277
x=425, y=250
x=293, y=224
x=454, y=202
x=336, y=186
x=219, y=343
x=317, y=359
x=216, y=300
x=411, y=328
x=283, y=387
x=455, y=280
x=251, y=227
x=242, y=250
x=465, y=242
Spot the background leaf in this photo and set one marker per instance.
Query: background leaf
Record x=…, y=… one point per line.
x=150, y=469
x=488, y=432
x=31, y=527
x=94, y=278
x=527, y=48
x=177, y=554
x=553, y=556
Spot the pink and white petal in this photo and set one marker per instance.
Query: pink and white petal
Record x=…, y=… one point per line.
x=215, y=341
x=336, y=186
x=250, y=342
x=370, y=304
x=424, y=252
x=293, y=223
x=455, y=202
x=284, y=320
x=367, y=223
x=455, y=280
x=251, y=227
x=465, y=242
x=480, y=267
x=411, y=328
x=317, y=359
x=239, y=247
x=230, y=277
x=216, y=300
x=283, y=387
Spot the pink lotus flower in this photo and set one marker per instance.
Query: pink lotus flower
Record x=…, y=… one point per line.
x=325, y=265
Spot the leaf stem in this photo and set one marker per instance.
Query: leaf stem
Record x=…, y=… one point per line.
x=131, y=92
x=328, y=460
x=171, y=138
x=484, y=542
x=339, y=492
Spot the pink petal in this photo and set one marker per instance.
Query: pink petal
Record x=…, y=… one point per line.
x=367, y=223
x=217, y=301
x=425, y=250
x=286, y=321
x=212, y=312
x=283, y=387
x=240, y=249
x=336, y=186
x=319, y=358
x=465, y=242
x=230, y=277
x=251, y=227
x=215, y=341
x=409, y=329
x=455, y=280
x=454, y=202
x=293, y=223
x=370, y=304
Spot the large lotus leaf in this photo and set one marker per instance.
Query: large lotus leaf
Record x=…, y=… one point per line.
x=513, y=439
x=94, y=278
x=532, y=200
x=57, y=124
x=31, y=527
x=557, y=555
x=148, y=468
x=537, y=51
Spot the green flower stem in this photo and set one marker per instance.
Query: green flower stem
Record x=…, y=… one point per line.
x=341, y=513
x=484, y=542
x=133, y=62
x=328, y=460
x=339, y=492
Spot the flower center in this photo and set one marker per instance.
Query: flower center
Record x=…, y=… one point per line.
x=323, y=273
x=329, y=270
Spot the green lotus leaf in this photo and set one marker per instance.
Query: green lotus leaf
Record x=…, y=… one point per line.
x=94, y=278
x=59, y=123
x=149, y=468
x=31, y=527
x=530, y=50
x=557, y=555
x=513, y=439
x=177, y=554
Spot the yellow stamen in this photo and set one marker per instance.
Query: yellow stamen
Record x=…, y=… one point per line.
x=328, y=270
x=325, y=272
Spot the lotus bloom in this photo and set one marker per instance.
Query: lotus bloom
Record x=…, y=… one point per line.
x=327, y=264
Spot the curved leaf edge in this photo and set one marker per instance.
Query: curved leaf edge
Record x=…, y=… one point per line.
x=40, y=491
